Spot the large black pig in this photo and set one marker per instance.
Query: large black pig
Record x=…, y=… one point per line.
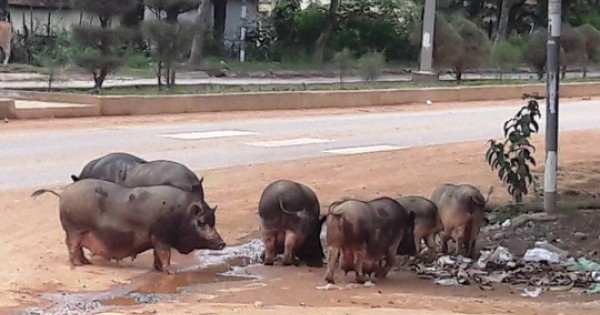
x=131, y=171
x=116, y=222
x=290, y=224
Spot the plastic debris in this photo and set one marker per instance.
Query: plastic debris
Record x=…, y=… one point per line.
x=446, y=261
x=540, y=254
x=506, y=224
x=593, y=289
x=582, y=264
x=447, y=281
x=532, y=294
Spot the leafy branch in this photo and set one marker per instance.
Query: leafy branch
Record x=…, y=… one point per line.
x=513, y=156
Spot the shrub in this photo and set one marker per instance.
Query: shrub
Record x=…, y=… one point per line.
x=592, y=45
x=572, y=44
x=534, y=53
x=506, y=57
x=343, y=61
x=101, y=39
x=371, y=65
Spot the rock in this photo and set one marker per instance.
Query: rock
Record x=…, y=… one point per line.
x=581, y=236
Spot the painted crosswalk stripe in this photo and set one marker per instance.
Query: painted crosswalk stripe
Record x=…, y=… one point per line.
x=364, y=149
x=288, y=142
x=197, y=135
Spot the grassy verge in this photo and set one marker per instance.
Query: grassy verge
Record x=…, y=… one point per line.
x=215, y=88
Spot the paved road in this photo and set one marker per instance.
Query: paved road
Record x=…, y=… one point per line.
x=31, y=159
x=7, y=81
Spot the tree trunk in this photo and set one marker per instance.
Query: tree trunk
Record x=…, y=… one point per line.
x=458, y=77
x=196, y=55
x=323, y=39
x=159, y=74
x=4, y=13
x=503, y=21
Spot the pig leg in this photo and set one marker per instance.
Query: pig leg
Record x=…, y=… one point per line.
x=290, y=243
x=390, y=258
x=431, y=245
x=359, y=261
x=270, y=249
x=333, y=253
x=444, y=238
x=76, y=256
x=162, y=256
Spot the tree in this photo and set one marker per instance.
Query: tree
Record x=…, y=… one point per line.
x=592, y=45
x=170, y=37
x=572, y=44
x=4, y=13
x=323, y=39
x=100, y=56
x=200, y=30
x=513, y=156
x=343, y=60
x=503, y=20
x=534, y=52
x=460, y=45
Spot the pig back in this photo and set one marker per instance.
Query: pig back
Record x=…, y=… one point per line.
x=288, y=201
x=425, y=210
x=164, y=173
x=112, y=167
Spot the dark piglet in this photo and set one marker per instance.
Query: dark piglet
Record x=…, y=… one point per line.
x=427, y=221
x=290, y=224
x=116, y=222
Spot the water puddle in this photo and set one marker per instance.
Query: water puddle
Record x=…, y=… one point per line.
x=203, y=267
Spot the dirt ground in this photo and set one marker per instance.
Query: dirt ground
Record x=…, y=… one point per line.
x=36, y=260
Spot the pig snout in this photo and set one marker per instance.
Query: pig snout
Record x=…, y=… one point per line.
x=216, y=242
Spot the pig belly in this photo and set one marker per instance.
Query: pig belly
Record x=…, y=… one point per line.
x=113, y=247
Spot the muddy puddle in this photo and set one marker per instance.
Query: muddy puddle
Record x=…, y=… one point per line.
x=200, y=268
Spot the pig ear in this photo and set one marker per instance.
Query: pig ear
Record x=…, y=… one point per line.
x=201, y=180
x=195, y=209
x=214, y=209
x=322, y=219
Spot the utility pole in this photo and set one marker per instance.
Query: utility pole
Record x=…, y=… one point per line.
x=427, y=35
x=552, y=85
x=243, y=31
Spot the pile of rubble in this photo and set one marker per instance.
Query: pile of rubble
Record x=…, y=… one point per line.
x=544, y=267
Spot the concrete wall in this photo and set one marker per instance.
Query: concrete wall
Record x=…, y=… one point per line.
x=7, y=108
x=232, y=17
x=58, y=18
x=173, y=104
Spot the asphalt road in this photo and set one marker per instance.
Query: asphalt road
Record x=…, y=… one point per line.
x=31, y=159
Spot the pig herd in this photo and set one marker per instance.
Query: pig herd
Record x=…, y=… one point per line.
x=121, y=205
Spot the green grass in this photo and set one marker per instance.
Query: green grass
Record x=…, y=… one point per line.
x=215, y=88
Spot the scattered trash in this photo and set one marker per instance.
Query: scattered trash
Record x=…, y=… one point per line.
x=541, y=254
x=327, y=287
x=498, y=256
x=563, y=254
x=447, y=281
x=506, y=224
x=581, y=236
x=582, y=264
x=596, y=276
x=593, y=289
x=532, y=294
x=369, y=284
x=446, y=261
x=429, y=102
x=258, y=304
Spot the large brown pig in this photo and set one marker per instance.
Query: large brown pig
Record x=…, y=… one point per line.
x=461, y=209
x=427, y=221
x=365, y=234
x=289, y=223
x=116, y=222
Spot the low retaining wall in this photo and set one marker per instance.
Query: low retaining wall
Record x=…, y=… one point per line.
x=173, y=104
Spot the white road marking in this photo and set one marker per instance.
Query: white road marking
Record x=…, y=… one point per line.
x=288, y=142
x=196, y=135
x=365, y=149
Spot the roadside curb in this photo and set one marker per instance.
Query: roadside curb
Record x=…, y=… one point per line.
x=90, y=105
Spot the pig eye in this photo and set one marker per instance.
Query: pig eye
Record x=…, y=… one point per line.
x=201, y=221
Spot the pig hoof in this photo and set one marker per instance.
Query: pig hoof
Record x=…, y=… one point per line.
x=329, y=280
x=360, y=279
x=287, y=262
x=268, y=262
